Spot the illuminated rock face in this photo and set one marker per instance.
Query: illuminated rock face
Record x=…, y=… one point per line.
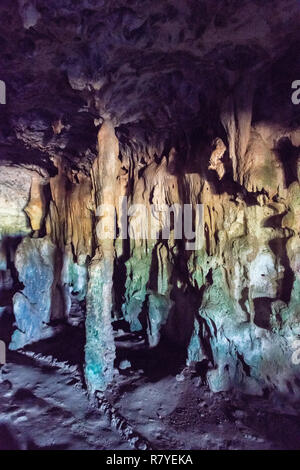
x=232, y=302
x=35, y=262
x=191, y=107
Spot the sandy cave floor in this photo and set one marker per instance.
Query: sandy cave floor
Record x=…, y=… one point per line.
x=44, y=405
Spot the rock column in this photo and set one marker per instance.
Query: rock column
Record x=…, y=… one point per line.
x=100, y=347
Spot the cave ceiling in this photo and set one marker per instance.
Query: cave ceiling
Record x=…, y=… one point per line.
x=157, y=69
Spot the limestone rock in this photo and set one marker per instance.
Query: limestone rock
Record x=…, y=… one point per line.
x=35, y=262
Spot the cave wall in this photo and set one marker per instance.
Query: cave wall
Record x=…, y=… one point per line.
x=167, y=104
x=232, y=303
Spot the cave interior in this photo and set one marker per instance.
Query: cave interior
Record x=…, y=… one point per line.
x=156, y=104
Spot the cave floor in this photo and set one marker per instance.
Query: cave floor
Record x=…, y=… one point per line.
x=174, y=414
x=44, y=405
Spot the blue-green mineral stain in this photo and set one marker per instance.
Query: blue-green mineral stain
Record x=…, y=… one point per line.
x=35, y=261
x=100, y=347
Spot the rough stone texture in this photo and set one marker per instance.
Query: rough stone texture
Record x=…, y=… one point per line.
x=35, y=262
x=162, y=65
x=69, y=220
x=193, y=107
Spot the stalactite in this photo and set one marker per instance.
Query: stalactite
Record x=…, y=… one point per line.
x=236, y=117
x=36, y=208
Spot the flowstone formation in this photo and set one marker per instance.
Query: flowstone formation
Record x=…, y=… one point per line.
x=119, y=112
